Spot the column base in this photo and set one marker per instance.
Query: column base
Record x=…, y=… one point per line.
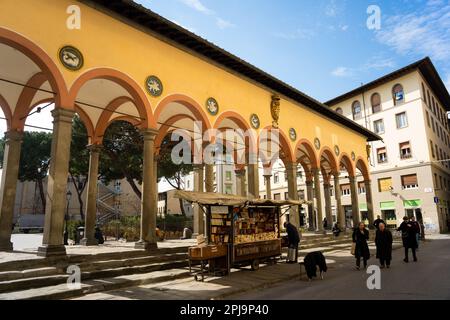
x=88, y=242
x=6, y=246
x=144, y=245
x=51, y=250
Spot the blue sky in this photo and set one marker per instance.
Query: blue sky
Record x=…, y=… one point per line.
x=322, y=47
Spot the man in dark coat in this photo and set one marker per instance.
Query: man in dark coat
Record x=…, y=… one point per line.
x=383, y=241
x=360, y=237
x=293, y=239
x=377, y=222
x=409, y=238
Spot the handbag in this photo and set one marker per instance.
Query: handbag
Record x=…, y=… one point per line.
x=353, y=249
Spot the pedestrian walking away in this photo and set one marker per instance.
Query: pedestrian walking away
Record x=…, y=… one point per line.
x=416, y=225
x=325, y=224
x=383, y=242
x=377, y=222
x=293, y=242
x=409, y=238
x=360, y=237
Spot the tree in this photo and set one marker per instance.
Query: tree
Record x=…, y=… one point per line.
x=35, y=160
x=173, y=173
x=79, y=160
x=121, y=156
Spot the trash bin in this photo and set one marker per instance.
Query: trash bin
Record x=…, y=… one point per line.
x=79, y=235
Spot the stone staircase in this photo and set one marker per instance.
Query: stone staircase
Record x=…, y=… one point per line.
x=47, y=278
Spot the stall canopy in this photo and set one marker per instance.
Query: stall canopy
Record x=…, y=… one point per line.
x=217, y=199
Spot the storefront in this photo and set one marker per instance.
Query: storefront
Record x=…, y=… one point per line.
x=388, y=213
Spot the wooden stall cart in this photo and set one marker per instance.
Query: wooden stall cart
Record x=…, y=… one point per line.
x=246, y=230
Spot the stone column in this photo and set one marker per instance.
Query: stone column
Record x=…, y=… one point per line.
x=11, y=159
x=91, y=202
x=310, y=196
x=355, y=204
x=53, y=241
x=317, y=188
x=294, y=215
x=199, y=223
x=209, y=178
x=370, y=212
x=149, y=204
x=241, y=188
x=253, y=180
x=337, y=196
x=327, y=195
x=268, y=186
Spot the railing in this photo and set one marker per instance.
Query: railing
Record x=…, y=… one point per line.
x=106, y=212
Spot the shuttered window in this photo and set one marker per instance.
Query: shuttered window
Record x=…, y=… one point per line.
x=345, y=189
x=361, y=188
x=376, y=103
x=382, y=155
x=405, y=150
x=385, y=184
x=410, y=182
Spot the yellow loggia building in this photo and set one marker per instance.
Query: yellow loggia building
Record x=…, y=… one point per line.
x=125, y=62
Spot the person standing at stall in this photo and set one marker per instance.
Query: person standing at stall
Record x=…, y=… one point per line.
x=293, y=242
x=383, y=242
x=360, y=237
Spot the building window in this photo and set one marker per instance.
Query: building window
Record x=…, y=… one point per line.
x=376, y=103
x=302, y=195
x=228, y=175
x=356, y=109
x=345, y=189
x=432, y=150
x=378, y=126
x=361, y=188
x=402, y=120
x=385, y=184
x=428, y=119
x=277, y=196
x=437, y=152
x=434, y=105
x=299, y=174
x=228, y=190
x=398, y=94
x=340, y=111
x=286, y=195
x=382, y=155
x=424, y=93
x=429, y=99
x=436, y=181
x=276, y=178
x=405, y=150
x=410, y=182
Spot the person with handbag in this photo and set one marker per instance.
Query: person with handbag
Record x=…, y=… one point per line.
x=360, y=247
x=383, y=242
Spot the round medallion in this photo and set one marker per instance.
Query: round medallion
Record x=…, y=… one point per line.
x=71, y=58
x=212, y=106
x=154, y=86
x=292, y=134
x=254, y=121
x=337, y=151
x=353, y=156
x=317, y=143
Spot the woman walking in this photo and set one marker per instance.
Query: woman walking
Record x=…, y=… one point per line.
x=383, y=241
x=360, y=237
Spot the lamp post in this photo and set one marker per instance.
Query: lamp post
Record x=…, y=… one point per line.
x=66, y=218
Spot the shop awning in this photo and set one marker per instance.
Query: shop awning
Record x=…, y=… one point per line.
x=205, y=198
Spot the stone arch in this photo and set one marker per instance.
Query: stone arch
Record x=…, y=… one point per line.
x=285, y=154
x=6, y=111
x=42, y=60
x=309, y=151
x=362, y=167
x=346, y=162
x=138, y=96
x=329, y=157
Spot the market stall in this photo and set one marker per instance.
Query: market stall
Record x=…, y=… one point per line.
x=239, y=231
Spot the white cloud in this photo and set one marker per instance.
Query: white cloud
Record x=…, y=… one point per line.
x=341, y=72
x=198, y=5
x=344, y=27
x=422, y=33
x=297, y=34
x=331, y=9
x=379, y=63
x=224, y=24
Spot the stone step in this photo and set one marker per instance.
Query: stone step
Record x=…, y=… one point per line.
x=58, y=276
x=29, y=273
x=62, y=291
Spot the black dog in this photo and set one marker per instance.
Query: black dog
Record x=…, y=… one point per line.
x=314, y=260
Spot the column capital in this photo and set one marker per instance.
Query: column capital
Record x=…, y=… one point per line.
x=198, y=167
x=240, y=172
x=267, y=176
x=14, y=135
x=291, y=166
x=309, y=183
x=149, y=133
x=336, y=175
x=351, y=179
x=94, y=148
x=63, y=115
x=326, y=184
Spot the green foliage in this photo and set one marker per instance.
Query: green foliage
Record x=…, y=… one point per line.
x=72, y=227
x=35, y=156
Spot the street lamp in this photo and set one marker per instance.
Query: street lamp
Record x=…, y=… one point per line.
x=66, y=217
